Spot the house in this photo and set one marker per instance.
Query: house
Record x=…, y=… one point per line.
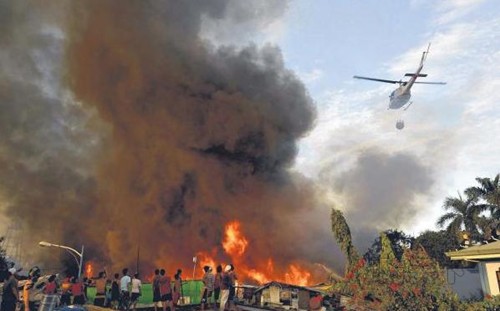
x=487, y=257
x=277, y=295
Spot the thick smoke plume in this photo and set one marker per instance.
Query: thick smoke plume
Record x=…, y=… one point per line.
x=48, y=143
x=154, y=138
x=379, y=192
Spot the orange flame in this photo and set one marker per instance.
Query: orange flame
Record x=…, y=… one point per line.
x=204, y=259
x=234, y=242
x=89, y=270
x=297, y=275
x=260, y=277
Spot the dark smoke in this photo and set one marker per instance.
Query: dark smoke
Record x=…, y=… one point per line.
x=48, y=143
x=154, y=138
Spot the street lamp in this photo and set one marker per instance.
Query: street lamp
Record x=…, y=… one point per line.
x=70, y=250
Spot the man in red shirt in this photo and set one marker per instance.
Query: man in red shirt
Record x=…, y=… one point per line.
x=51, y=287
x=77, y=291
x=165, y=291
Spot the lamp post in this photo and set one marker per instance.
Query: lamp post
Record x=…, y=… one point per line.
x=72, y=251
x=195, y=260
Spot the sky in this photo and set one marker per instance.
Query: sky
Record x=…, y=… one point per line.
x=451, y=131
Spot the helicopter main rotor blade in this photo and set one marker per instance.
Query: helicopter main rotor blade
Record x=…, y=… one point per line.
x=439, y=83
x=378, y=80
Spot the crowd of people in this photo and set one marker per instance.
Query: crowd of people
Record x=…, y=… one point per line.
x=120, y=292
x=219, y=288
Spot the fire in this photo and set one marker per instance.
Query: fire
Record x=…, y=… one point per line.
x=234, y=242
x=204, y=259
x=89, y=270
x=260, y=277
x=297, y=275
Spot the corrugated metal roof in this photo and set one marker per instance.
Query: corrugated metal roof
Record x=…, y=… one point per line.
x=280, y=284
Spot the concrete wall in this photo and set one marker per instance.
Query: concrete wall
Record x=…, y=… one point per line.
x=491, y=269
x=465, y=282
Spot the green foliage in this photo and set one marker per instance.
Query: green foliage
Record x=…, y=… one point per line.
x=488, y=304
x=342, y=234
x=414, y=283
x=436, y=244
x=469, y=213
x=399, y=242
x=387, y=256
x=463, y=213
x=489, y=190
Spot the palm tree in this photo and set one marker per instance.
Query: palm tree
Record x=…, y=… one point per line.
x=489, y=190
x=463, y=213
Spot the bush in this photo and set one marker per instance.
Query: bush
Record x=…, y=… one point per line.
x=416, y=282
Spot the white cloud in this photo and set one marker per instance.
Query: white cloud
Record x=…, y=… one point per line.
x=452, y=10
x=312, y=76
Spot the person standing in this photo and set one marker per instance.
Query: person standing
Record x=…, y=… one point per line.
x=217, y=284
x=31, y=290
x=224, y=287
x=100, y=289
x=166, y=291
x=50, y=298
x=156, y=290
x=51, y=287
x=232, y=288
x=115, y=291
x=125, y=291
x=78, y=291
x=136, y=290
x=107, y=287
x=208, y=287
x=177, y=287
x=10, y=293
x=65, y=292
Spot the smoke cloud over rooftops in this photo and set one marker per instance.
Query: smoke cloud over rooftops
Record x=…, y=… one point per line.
x=124, y=129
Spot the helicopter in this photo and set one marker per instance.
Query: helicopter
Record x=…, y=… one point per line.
x=401, y=96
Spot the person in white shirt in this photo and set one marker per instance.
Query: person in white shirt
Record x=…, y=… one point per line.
x=125, y=292
x=136, y=290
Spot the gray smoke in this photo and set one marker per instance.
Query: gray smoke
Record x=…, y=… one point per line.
x=379, y=192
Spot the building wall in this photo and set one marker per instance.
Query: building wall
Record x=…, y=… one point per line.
x=491, y=269
x=465, y=282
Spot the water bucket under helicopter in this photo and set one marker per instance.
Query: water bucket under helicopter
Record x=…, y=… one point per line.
x=400, y=124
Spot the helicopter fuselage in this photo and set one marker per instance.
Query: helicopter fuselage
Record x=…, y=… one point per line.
x=399, y=97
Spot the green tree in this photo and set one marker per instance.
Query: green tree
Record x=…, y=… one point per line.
x=436, y=244
x=399, y=241
x=342, y=234
x=489, y=190
x=462, y=213
x=416, y=282
x=387, y=256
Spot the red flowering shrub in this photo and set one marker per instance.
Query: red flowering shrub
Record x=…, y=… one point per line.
x=414, y=283
x=394, y=287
